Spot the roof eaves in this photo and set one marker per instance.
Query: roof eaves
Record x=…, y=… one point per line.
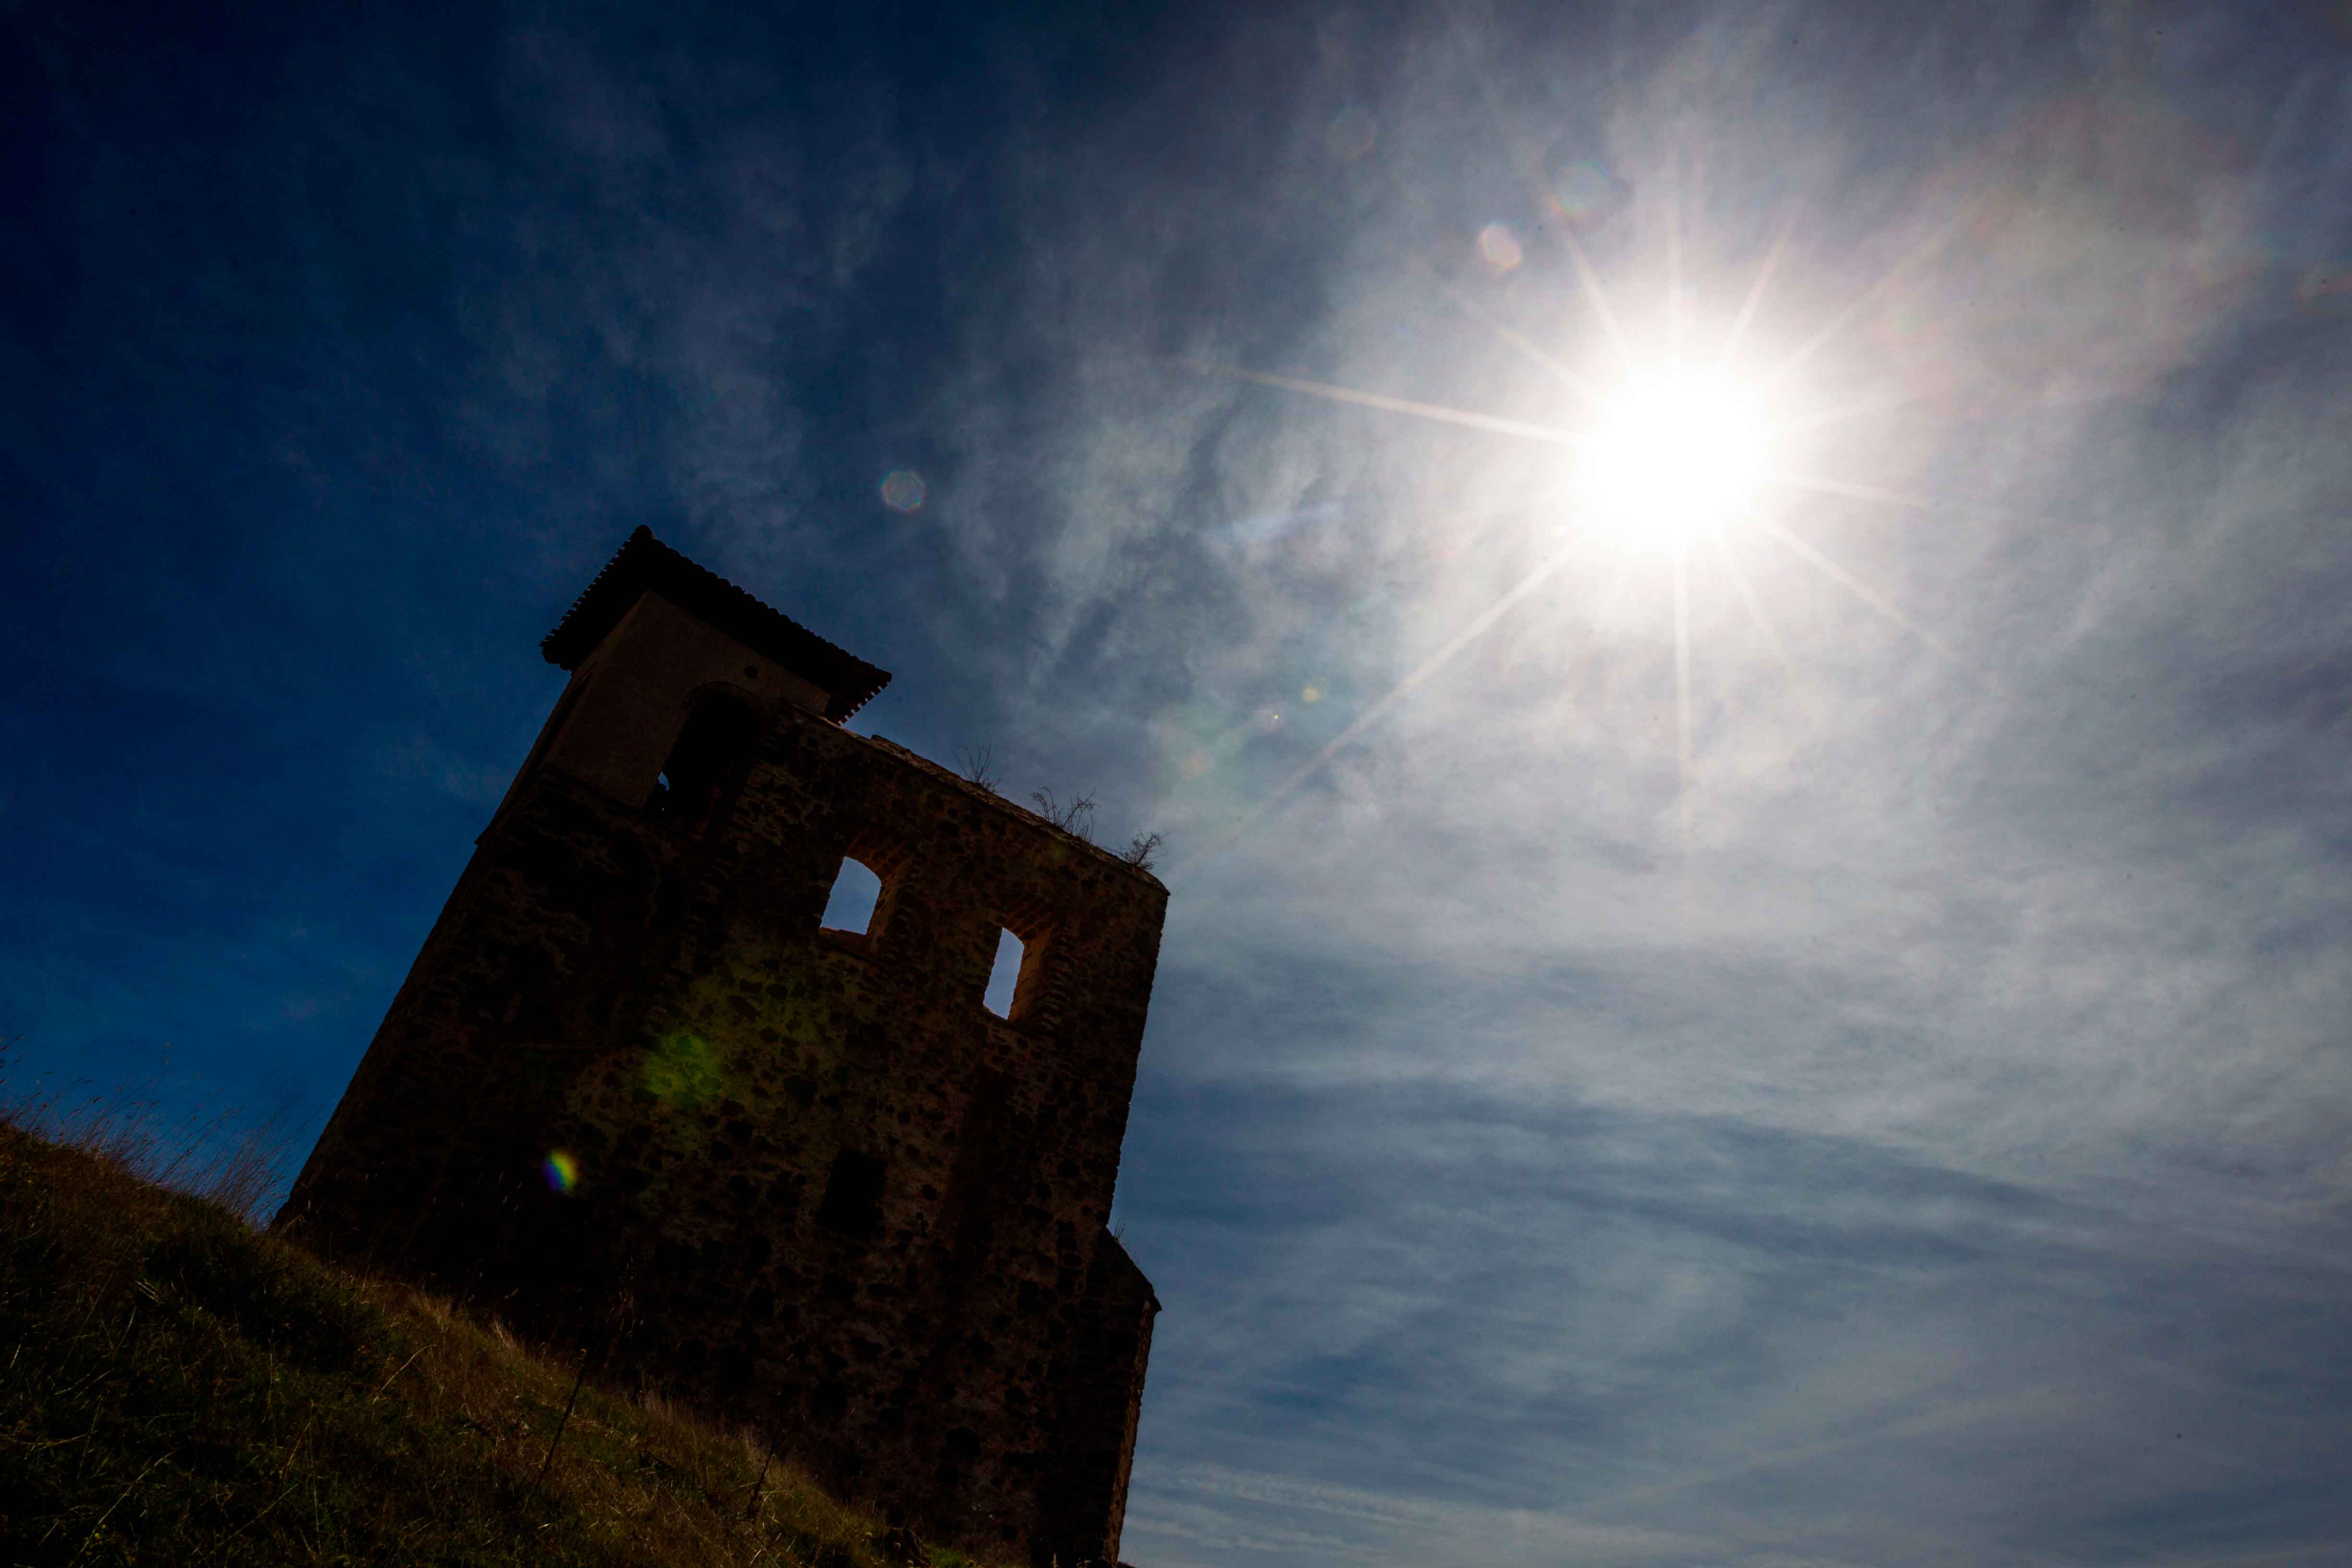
x=644, y=564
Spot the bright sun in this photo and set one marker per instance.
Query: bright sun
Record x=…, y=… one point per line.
x=1672, y=456
x=1678, y=452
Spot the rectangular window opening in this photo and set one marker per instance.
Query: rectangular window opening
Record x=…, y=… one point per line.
x=857, y=890
x=1004, y=980
x=853, y=1197
x=706, y=761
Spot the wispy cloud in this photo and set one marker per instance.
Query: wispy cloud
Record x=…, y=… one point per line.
x=1881, y=1102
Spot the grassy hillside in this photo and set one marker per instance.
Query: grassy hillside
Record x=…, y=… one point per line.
x=178, y=1388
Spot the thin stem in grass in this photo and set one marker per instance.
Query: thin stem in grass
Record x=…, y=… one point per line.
x=404, y=1366
x=564, y=1420
x=767, y=1458
x=88, y=1540
x=222, y=1548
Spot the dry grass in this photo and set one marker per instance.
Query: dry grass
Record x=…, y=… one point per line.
x=240, y=1159
x=176, y=1387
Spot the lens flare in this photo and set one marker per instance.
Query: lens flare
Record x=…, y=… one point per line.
x=681, y=1071
x=1500, y=246
x=562, y=1171
x=1677, y=453
x=1580, y=191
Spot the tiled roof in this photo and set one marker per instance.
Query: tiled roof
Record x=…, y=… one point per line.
x=644, y=564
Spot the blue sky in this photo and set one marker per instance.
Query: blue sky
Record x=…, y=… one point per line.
x=1878, y=1096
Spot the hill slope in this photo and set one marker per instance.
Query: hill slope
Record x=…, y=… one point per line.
x=175, y=1388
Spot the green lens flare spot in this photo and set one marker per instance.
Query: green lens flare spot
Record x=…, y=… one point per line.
x=681, y=1071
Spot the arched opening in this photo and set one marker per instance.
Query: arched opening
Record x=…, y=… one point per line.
x=709, y=759
x=857, y=890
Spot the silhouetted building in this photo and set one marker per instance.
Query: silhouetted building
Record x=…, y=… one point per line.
x=634, y=1100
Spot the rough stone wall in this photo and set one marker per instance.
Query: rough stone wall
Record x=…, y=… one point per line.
x=818, y=1186
x=1099, y=1441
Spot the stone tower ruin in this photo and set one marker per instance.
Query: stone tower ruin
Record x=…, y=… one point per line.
x=636, y=1100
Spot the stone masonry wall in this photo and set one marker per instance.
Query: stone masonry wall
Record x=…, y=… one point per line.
x=816, y=1185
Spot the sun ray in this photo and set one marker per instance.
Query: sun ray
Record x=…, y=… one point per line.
x=1683, y=698
x=1746, y=591
x=1495, y=519
x=1445, y=655
x=1518, y=340
x=1919, y=255
x=1675, y=259
x=1860, y=408
x=1586, y=278
x=1604, y=604
x=1902, y=499
x=1710, y=430
x=1870, y=596
x=1548, y=434
x=1530, y=175
x=1756, y=291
